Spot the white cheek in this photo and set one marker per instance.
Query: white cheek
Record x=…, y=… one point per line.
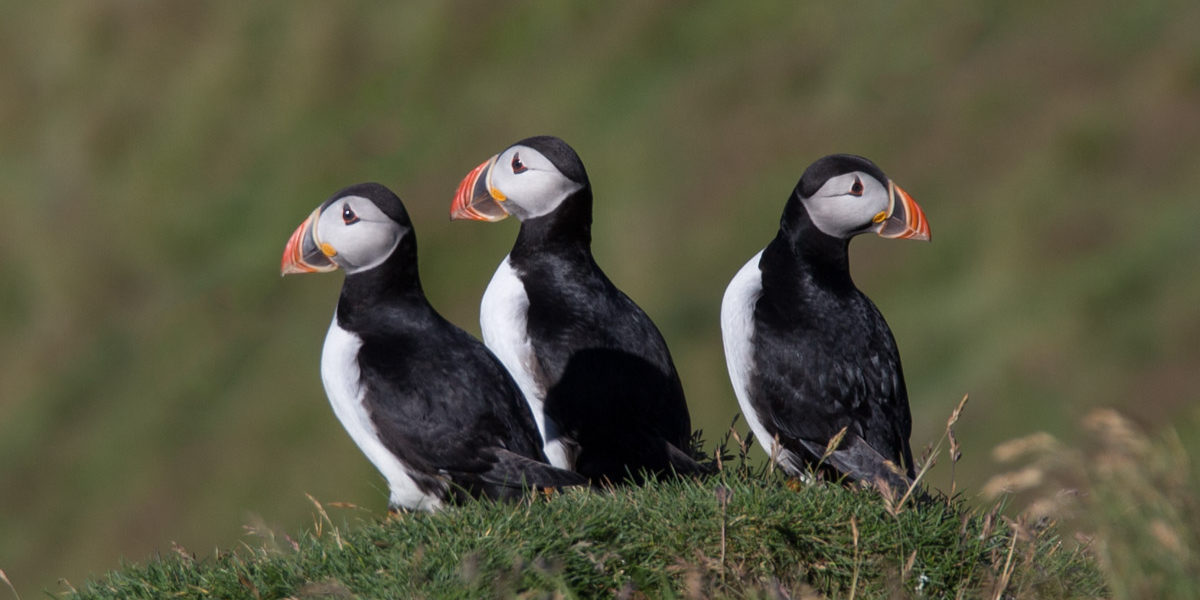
x=538, y=193
x=365, y=252
x=840, y=215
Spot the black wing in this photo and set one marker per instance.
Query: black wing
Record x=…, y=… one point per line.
x=612, y=385
x=814, y=378
x=446, y=406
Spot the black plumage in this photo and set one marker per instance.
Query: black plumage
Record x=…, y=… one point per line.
x=439, y=401
x=826, y=358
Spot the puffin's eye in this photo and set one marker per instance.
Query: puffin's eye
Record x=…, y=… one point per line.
x=517, y=165
x=857, y=188
x=348, y=216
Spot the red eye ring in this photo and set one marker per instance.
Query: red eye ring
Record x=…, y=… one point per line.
x=857, y=188
x=517, y=165
x=348, y=216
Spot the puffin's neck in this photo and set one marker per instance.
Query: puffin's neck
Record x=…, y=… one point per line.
x=387, y=289
x=804, y=258
x=566, y=229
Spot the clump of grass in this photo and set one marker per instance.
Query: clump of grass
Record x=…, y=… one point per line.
x=1133, y=496
x=743, y=532
x=732, y=537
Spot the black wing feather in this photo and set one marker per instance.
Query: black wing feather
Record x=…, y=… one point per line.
x=444, y=405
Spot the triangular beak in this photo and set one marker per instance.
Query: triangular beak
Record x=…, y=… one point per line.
x=302, y=253
x=475, y=198
x=904, y=219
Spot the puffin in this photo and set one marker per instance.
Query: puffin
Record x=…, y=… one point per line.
x=594, y=368
x=808, y=353
x=427, y=403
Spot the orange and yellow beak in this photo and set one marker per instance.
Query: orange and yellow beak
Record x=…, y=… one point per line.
x=476, y=199
x=903, y=219
x=303, y=254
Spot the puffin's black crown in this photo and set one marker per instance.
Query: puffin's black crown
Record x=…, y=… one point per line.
x=381, y=196
x=831, y=166
x=560, y=154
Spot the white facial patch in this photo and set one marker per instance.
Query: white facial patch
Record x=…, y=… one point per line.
x=358, y=233
x=836, y=211
x=532, y=186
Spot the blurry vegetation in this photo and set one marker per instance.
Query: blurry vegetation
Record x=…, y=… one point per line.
x=160, y=382
x=1135, y=497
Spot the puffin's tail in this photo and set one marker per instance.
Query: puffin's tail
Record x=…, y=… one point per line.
x=685, y=463
x=858, y=461
x=511, y=471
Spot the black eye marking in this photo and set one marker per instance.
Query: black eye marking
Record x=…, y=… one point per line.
x=517, y=165
x=348, y=216
x=857, y=188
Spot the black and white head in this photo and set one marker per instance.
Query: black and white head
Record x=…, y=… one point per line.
x=845, y=195
x=529, y=179
x=355, y=230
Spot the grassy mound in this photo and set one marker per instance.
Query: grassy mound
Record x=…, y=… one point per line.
x=734, y=535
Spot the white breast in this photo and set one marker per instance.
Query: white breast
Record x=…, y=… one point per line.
x=340, y=373
x=502, y=317
x=737, y=334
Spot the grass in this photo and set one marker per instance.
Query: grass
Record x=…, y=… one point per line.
x=744, y=532
x=737, y=535
x=747, y=532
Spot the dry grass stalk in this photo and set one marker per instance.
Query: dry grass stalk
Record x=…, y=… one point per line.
x=723, y=493
x=955, y=449
x=743, y=446
x=775, y=450
x=1020, y=480
x=957, y=412
x=337, y=536
x=188, y=557
x=908, y=566
x=937, y=448
x=888, y=495
x=4, y=578
x=1037, y=443
x=832, y=446
x=1006, y=573
x=857, y=558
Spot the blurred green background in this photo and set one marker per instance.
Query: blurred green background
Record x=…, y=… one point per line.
x=159, y=380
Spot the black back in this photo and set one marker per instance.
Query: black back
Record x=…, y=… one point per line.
x=824, y=356
x=439, y=400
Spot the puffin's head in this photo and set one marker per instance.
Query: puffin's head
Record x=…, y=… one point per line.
x=357, y=229
x=846, y=195
x=528, y=179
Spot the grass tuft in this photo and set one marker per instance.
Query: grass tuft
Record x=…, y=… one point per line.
x=736, y=534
